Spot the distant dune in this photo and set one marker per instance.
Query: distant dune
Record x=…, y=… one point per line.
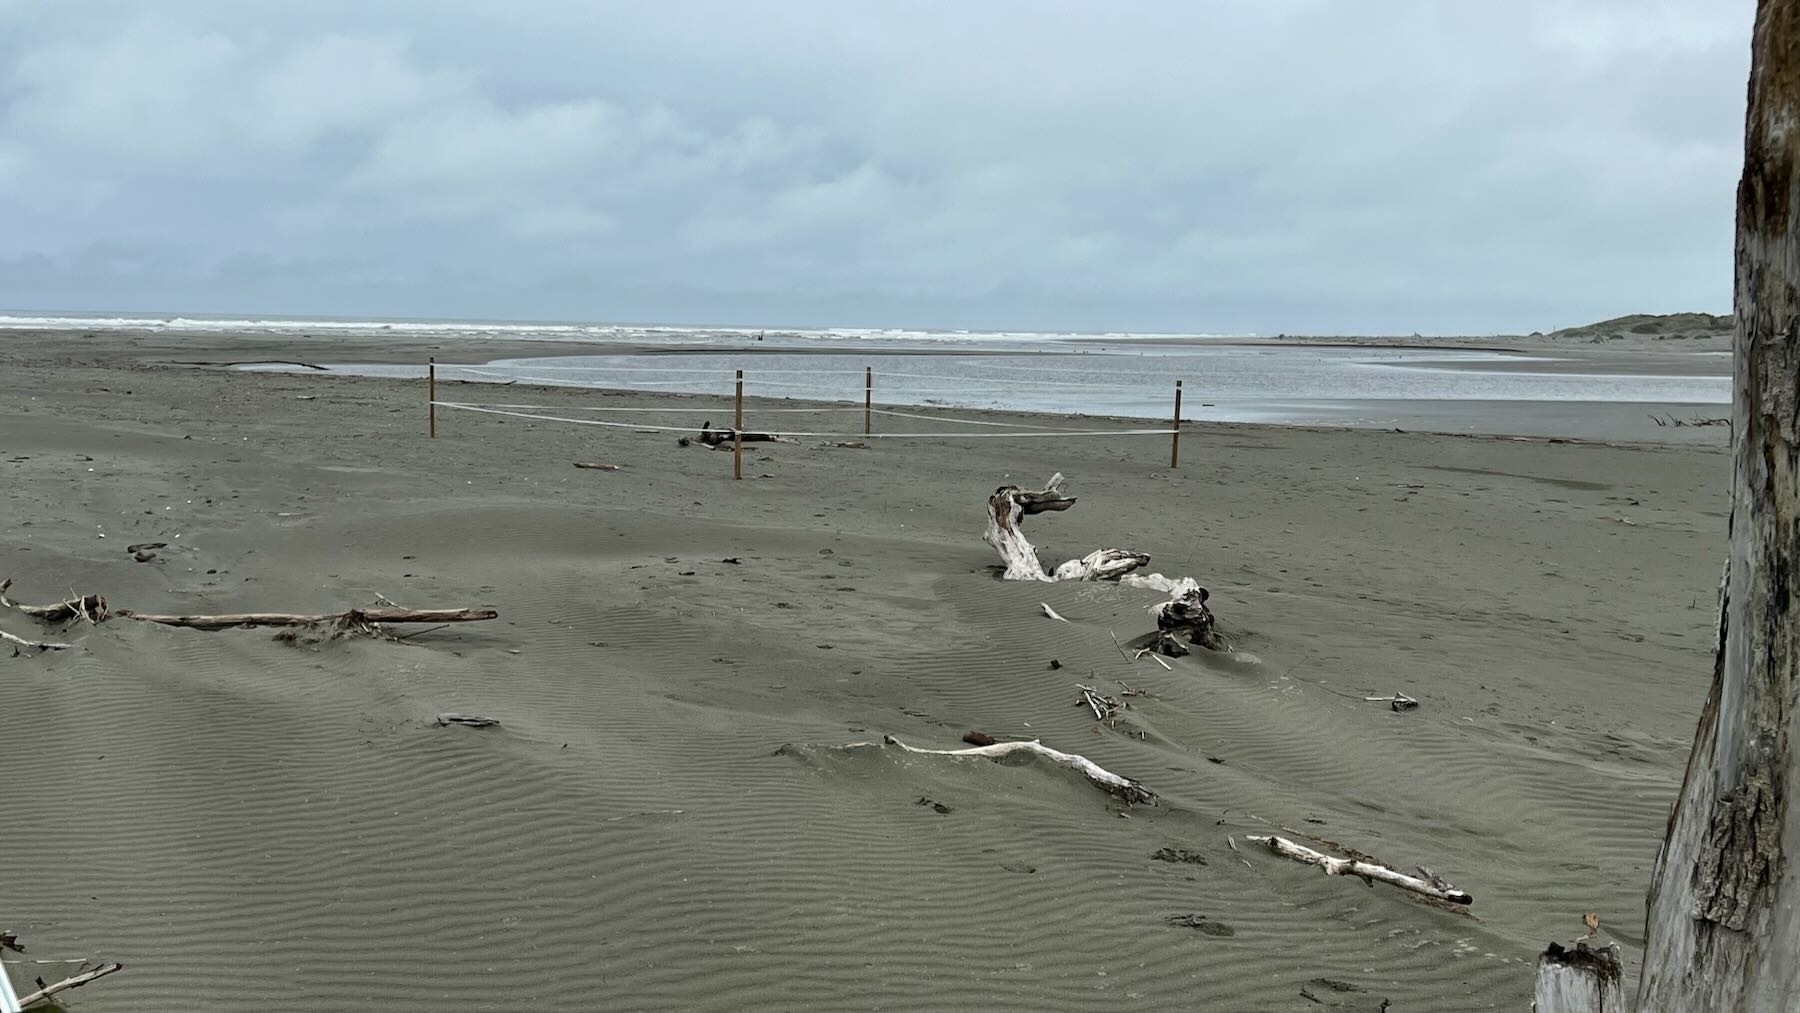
x=1638, y=327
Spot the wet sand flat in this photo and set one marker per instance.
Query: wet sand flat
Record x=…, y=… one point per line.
x=664, y=820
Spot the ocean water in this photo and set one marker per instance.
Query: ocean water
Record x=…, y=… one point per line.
x=1231, y=378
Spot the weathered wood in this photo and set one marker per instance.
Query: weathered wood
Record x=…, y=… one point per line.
x=595, y=466
x=1364, y=869
x=36, y=645
x=91, y=607
x=1186, y=613
x=1579, y=980
x=1010, y=505
x=1724, y=914
x=353, y=618
x=50, y=991
x=1123, y=787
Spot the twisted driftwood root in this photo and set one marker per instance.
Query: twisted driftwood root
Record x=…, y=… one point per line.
x=91, y=607
x=1007, y=509
x=1184, y=613
x=1365, y=868
x=1124, y=788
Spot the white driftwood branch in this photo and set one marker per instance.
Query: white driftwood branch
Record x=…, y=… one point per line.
x=67, y=983
x=1101, y=564
x=1579, y=980
x=1123, y=787
x=1368, y=872
x=36, y=645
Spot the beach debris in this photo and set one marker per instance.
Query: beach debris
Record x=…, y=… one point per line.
x=137, y=547
x=1399, y=701
x=592, y=466
x=976, y=737
x=938, y=807
x=90, y=607
x=37, y=645
x=724, y=439
x=844, y=446
x=1051, y=612
x=1579, y=980
x=1185, y=613
x=1201, y=923
x=467, y=720
x=1697, y=421
x=1124, y=788
x=1105, y=708
x=1179, y=855
x=45, y=992
x=1365, y=868
x=9, y=940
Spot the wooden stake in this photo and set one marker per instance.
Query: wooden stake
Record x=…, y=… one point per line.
x=868, y=399
x=431, y=393
x=737, y=432
x=1175, y=437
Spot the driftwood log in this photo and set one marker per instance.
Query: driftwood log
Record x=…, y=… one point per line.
x=361, y=619
x=1123, y=788
x=369, y=620
x=724, y=438
x=1426, y=884
x=1579, y=980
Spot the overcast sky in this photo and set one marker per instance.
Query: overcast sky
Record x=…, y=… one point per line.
x=1375, y=166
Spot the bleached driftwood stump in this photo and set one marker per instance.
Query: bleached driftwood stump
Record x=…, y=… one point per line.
x=1184, y=612
x=1579, y=980
x=1007, y=509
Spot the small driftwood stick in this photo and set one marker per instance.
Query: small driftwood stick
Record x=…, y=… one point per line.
x=91, y=607
x=362, y=618
x=1368, y=871
x=1123, y=787
x=592, y=466
x=39, y=645
x=67, y=983
x=1399, y=701
x=1579, y=980
x=467, y=720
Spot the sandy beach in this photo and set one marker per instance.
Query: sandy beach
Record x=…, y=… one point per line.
x=664, y=818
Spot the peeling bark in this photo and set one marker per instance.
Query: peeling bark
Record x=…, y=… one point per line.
x=1724, y=912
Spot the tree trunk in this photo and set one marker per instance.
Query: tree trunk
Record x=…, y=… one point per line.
x=1724, y=914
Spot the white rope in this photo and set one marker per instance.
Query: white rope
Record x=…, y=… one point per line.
x=765, y=432
x=960, y=422
x=726, y=376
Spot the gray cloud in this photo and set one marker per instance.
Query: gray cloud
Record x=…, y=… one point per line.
x=1295, y=165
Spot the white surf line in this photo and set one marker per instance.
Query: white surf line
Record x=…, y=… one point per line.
x=832, y=436
x=669, y=411
x=960, y=422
